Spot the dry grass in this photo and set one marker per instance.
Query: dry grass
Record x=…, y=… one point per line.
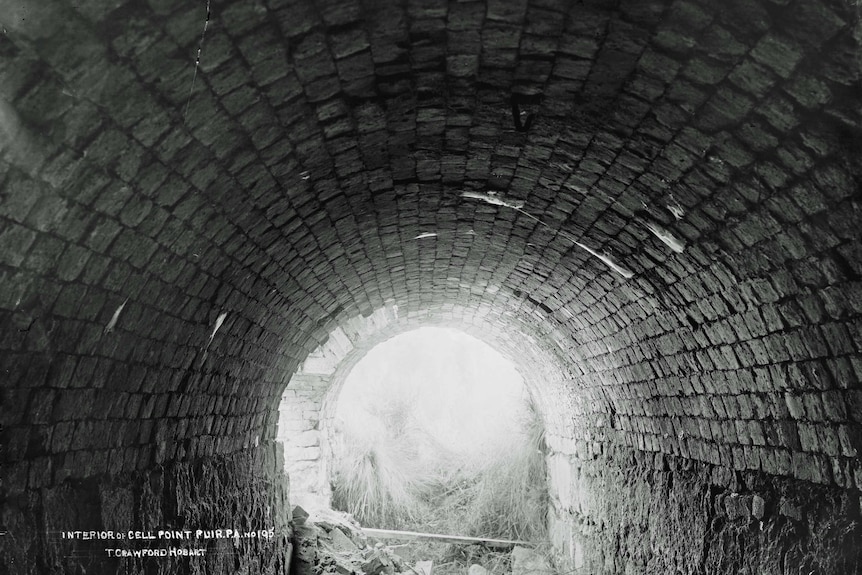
x=379, y=484
x=385, y=483
x=507, y=496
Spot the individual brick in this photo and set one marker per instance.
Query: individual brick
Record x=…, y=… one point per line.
x=781, y=55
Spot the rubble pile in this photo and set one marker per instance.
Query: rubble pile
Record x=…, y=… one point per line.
x=332, y=543
x=329, y=542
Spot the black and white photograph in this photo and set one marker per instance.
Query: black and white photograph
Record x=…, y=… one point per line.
x=431, y=287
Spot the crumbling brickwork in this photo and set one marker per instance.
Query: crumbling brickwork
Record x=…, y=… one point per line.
x=196, y=194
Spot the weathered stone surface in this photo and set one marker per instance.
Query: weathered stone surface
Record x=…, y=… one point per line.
x=678, y=519
x=758, y=506
x=251, y=178
x=245, y=491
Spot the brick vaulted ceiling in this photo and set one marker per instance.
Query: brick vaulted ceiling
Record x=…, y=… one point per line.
x=276, y=160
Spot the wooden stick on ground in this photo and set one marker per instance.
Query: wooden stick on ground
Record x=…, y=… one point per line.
x=410, y=535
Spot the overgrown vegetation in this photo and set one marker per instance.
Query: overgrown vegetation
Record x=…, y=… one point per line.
x=401, y=478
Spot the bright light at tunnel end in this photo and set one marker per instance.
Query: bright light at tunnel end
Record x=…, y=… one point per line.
x=460, y=389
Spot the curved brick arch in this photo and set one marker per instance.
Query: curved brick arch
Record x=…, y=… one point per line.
x=192, y=201
x=308, y=406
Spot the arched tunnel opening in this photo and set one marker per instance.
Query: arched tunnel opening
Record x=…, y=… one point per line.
x=652, y=207
x=430, y=430
x=435, y=432
x=432, y=438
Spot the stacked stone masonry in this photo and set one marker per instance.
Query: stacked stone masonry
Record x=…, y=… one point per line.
x=194, y=196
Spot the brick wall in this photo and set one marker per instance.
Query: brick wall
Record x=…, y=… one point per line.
x=193, y=201
x=239, y=491
x=628, y=511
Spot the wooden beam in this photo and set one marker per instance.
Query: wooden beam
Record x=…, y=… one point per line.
x=458, y=539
